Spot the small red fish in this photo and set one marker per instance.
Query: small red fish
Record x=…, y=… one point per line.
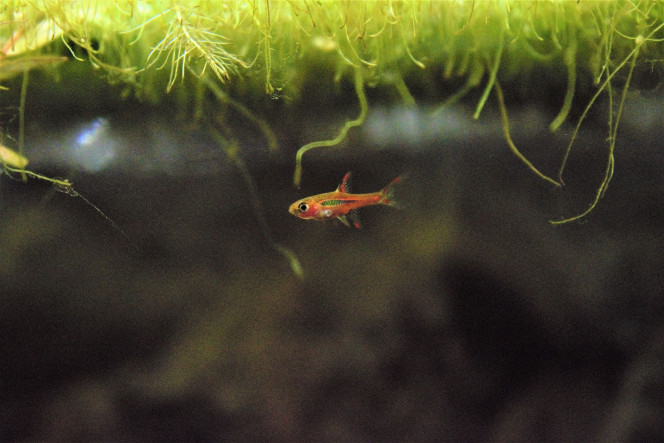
x=341, y=204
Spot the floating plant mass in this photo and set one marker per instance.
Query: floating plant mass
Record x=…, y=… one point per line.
x=269, y=46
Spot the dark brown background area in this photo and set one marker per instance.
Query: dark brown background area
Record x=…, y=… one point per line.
x=464, y=316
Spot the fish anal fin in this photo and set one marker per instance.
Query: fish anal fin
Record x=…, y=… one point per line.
x=345, y=184
x=344, y=220
x=355, y=219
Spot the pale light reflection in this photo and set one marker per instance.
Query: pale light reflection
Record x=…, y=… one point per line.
x=412, y=126
x=93, y=148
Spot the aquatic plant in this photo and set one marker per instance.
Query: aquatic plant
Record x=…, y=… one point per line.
x=153, y=46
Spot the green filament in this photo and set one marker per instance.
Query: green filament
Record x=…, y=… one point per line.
x=508, y=138
x=364, y=107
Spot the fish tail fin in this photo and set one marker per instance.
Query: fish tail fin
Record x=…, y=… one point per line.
x=387, y=194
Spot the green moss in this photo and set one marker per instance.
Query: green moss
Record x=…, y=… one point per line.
x=271, y=41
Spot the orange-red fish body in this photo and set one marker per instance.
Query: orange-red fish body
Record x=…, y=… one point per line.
x=341, y=204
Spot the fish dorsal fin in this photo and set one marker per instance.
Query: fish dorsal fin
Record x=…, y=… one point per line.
x=354, y=219
x=345, y=184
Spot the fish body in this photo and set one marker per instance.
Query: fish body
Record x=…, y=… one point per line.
x=341, y=204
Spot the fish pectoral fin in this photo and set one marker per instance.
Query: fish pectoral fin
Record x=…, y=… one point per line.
x=345, y=184
x=344, y=220
x=355, y=219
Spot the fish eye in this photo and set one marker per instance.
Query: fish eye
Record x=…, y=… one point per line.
x=303, y=207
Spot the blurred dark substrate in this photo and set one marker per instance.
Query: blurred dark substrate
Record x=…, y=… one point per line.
x=466, y=316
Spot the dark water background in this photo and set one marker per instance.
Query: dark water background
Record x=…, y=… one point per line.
x=464, y=316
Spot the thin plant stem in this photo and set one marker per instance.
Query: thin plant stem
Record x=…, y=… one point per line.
x=364, y=107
